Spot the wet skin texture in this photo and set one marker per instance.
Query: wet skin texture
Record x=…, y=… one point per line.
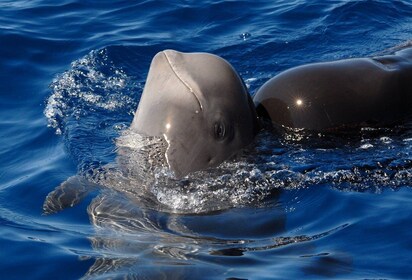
x=363, y=91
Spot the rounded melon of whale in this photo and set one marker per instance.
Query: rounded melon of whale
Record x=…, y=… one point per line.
x=201, y=107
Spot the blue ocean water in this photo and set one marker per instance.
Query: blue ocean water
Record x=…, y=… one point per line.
x=298, y=205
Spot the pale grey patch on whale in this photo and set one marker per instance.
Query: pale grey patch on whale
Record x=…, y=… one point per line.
x=201, y=107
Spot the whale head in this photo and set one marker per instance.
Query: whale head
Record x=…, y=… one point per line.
x=201, y=107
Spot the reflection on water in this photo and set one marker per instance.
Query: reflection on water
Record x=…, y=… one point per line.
x=221, y=212
x=129, y=239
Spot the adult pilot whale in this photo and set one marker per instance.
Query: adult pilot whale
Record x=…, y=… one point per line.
x=201, y=107
x=351, y=92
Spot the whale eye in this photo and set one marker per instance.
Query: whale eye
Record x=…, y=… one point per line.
x=219, y=130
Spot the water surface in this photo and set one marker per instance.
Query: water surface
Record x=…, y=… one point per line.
x=295, y=204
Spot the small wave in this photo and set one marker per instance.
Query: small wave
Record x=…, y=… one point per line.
x=274, y=243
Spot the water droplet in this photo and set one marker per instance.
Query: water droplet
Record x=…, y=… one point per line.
x=245, y=35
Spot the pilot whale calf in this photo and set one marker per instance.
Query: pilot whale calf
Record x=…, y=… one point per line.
x=201, y=107
x=362, y=91
x=194, y=113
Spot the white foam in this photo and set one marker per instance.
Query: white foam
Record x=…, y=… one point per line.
x=366, y=146
x=91, y=82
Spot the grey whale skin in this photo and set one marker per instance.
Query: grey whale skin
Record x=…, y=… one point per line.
x=201, y=107
x=360, y=91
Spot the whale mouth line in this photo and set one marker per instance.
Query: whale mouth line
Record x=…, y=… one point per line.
x=179, y=76
x=167, y=149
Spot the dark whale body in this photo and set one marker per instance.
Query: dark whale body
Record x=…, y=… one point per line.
x=363, y=91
